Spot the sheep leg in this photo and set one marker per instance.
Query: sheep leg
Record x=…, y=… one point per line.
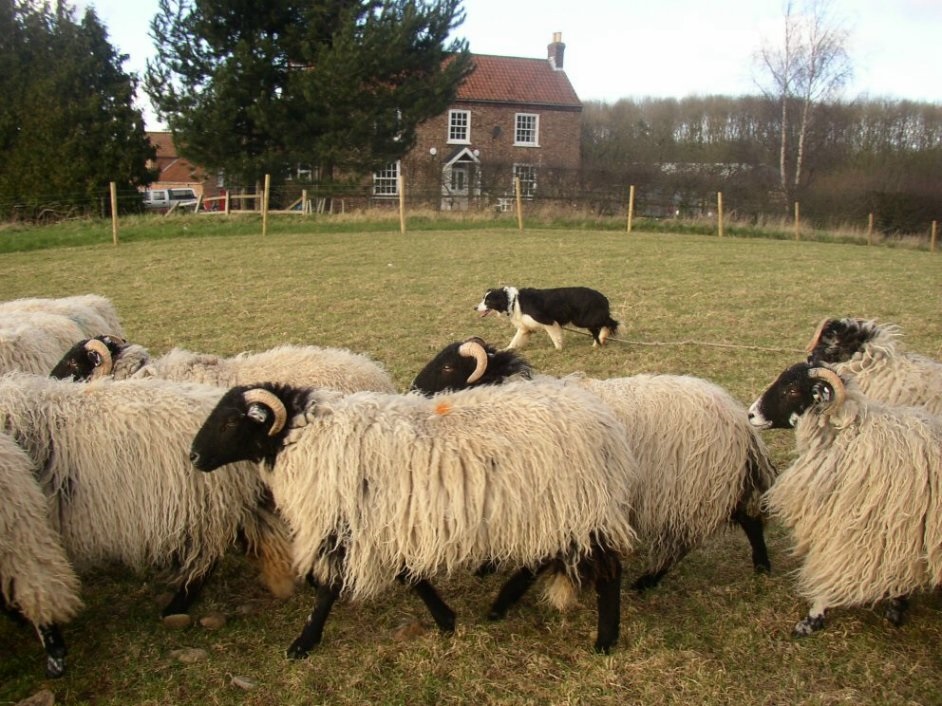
x=444, y=616
x=895, y=610
x=513, y=590
x=184, y=597
x=608, y=601
x=812, y=622
x=753, y=528
x=649, y=579
x=55, y=649
x=314, y=627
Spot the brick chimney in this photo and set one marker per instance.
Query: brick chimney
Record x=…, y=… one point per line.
x=555, y=51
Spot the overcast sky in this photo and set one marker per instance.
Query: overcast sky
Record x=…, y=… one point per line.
x=674, y=48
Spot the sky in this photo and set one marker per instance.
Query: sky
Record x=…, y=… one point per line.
x=672, y=48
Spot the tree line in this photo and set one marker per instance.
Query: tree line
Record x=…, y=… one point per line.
x=865, y=156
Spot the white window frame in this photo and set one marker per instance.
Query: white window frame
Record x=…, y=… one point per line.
x=527, y=175
x=386, y=180
x=522, y=130
x=459, y=121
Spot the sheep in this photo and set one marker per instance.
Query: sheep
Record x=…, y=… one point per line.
x=863, y=497
x=93, y=313
x=702, y=464
x=377, y=487
x=33, y=341
x=37, y=581
x=332, y=368
x=114, y=464
x=869, y=353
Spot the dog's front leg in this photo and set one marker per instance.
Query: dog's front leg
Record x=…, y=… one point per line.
x=519, y=339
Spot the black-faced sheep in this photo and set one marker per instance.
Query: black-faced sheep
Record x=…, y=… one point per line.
x=702, y=465
x=92, y=313
x=37, y=581
x=377, y=487
x=114, y=463
x=869, y=353
x=330, y=368
x=863, y=498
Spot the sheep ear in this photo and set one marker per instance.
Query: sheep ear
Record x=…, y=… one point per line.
x=258, y=413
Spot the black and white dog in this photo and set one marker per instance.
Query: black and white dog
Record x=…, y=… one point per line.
x=551, y=309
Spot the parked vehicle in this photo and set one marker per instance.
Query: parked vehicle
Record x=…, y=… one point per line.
x=164, y=199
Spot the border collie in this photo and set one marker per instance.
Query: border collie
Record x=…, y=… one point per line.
x=550, y=309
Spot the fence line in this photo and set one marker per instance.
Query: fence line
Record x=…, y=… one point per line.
x=319, y=201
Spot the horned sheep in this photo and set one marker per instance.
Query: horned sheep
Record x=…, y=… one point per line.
x=37, y=581
x=378, y=487
x=863, y=497
x=33, y=342
x=114, y=465
x=870, y=354
x=702, y=465
x=314, y=366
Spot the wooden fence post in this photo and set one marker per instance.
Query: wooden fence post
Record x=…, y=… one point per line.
x=401, y=183
x=797, y=223
x=114, y=212
x=631, y=205
x=304, y=206
x=719, y=212
x=932, y=235
x=265, y=204
x=519, y=203
x=870, y=229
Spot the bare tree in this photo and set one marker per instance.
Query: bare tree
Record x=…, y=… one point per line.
x=808, y=67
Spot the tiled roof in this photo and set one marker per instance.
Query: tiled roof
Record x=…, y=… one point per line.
x=163, y=141
x=507, y=79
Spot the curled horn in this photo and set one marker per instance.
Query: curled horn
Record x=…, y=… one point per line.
x=817, y=335
x=834, y=380
x=269, y=399
x=474, y=348
x=107, y=363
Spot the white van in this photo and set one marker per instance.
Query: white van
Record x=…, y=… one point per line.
x=163, y=199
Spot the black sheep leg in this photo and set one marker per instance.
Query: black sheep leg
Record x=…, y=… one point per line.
x=895, y=610
x=752, y=526
x=444, y=616
x=184, y=597
x=55, y=649
x=608, y=599
x=513, y=590
x=314, y=628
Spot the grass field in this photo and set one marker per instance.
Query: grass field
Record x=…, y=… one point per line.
x=736, y=311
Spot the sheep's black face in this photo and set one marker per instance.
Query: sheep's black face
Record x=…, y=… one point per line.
x=840, y=339
x=449, y=370
x=79, y=363
x=235, y=431
x=786, y=399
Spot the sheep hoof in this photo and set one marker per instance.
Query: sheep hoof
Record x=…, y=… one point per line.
x=603, y=648
x=298, y=650
x=810, y=624
x=763, y=568
x=496, y=614
x=55, y=666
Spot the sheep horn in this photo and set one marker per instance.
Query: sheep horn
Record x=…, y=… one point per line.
x=817, y=335
x=269, y=399
x=834, y=380
x=473, y=348
x=107, y=363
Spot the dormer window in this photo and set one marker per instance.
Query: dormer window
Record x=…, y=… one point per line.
x=527, y=129
x=459, y=127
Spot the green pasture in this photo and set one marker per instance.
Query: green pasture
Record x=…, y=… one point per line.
x=734, y=310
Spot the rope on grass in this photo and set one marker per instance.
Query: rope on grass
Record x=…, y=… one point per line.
x=689, y=342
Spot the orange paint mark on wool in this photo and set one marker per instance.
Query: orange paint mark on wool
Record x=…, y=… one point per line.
x=443, y=408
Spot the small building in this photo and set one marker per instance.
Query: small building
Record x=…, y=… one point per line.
x=513, y=118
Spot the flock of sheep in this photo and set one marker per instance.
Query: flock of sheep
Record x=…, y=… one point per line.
x=326, y=473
